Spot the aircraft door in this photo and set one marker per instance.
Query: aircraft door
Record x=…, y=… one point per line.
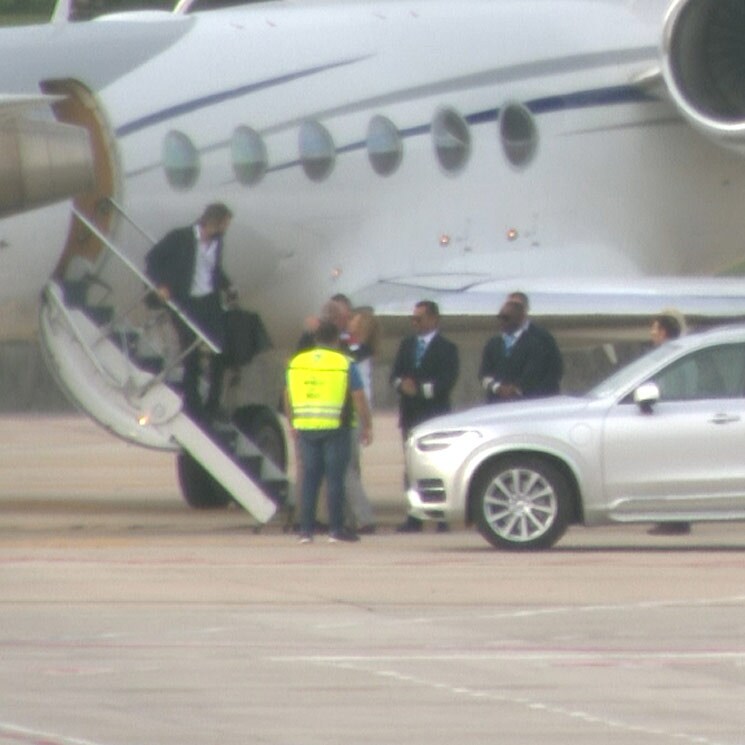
x=80, y=106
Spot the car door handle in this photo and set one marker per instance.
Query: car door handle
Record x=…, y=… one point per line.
x=724, y=419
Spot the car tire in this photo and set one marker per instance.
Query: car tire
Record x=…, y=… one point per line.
x=522, y=502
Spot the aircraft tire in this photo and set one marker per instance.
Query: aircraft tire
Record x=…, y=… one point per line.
x=262, y=427
x=198, y=487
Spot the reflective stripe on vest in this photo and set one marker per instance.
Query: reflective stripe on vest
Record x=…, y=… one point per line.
x=317, y=383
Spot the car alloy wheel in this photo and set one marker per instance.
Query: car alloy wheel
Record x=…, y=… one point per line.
x=522, y=503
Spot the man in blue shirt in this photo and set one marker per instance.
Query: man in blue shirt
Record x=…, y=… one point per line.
x=324, y=391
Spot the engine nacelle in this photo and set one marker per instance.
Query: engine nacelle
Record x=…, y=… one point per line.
x=42, y=162
x=703, y=63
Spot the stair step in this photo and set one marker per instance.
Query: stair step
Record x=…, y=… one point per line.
x=99, y=314
x=153, y=365
x=115, y=385
x=225, y=435
x=125, y=340
x=247, y=454
x=75, y=293
x=251, y=464
x=278, y=491
x=223, y=467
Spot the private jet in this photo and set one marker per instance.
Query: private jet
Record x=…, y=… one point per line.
x=587, y=152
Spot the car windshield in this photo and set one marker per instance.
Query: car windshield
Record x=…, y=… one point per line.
x=626, y=375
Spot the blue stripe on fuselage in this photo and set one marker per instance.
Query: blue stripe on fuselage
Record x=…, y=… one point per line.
x=215, y=98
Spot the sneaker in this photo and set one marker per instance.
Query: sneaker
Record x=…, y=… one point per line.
x=343, y=535
x=305, y=538
x=410, y=525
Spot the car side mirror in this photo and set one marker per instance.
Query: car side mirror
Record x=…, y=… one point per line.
x=646, y=396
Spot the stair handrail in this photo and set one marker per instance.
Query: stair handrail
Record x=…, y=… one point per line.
x=94, y=360
x=118, y=207
x=145, y=279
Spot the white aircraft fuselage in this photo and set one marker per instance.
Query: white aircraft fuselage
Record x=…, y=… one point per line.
x=383, y=141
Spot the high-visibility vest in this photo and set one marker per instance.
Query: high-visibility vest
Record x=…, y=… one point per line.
x=317, y=383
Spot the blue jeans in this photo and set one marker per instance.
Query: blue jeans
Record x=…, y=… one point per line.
x=324, y=453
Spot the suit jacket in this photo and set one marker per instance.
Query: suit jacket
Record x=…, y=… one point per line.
x=438, y=367
x=171, y=262
x=534, y=363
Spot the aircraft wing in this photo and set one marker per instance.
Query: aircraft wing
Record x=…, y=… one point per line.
x=584, y=309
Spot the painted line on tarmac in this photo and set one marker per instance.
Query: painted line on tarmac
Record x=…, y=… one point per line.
x=533, y=705
x=522, y=613
x=519, y=656
x=16, y=733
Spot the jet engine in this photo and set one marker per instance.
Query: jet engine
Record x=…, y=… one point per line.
x=703, y=63
x=41, y=162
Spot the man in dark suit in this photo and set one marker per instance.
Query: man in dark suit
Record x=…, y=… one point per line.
x=424, y=374
x=523, y=361
x=186, y=267
x=666, y=327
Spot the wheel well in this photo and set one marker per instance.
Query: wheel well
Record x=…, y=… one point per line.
x=555, y=461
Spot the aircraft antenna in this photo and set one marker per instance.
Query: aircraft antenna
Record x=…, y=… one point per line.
x=182, y=6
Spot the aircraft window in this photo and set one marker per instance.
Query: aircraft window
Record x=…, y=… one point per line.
x=452, y=140
x=317, y=151
x=180, y=160
x=384, y=148
x=250, y=159
x=518, y=133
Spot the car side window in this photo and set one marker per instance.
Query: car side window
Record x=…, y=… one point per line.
x=717, y=372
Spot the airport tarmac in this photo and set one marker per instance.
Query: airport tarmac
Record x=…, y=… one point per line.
x=129, y=619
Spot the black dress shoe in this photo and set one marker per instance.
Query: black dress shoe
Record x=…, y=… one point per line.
x=367, y=529
x=410, y=525
x=676, y=528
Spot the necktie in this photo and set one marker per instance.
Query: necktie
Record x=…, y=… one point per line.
x=421, y=346
x=509, y=342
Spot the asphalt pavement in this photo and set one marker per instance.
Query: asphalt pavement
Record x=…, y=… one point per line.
x=129, y=619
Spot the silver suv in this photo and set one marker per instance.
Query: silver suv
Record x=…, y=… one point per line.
x=662, y=439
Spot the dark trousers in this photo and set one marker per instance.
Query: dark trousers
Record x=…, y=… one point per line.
x=207, y=314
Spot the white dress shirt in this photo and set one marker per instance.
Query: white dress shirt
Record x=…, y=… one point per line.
x=204, y=267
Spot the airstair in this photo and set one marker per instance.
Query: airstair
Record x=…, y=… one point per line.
x=104, y=341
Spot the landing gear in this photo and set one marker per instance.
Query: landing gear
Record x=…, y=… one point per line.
x=199, y=488
x=260, y=424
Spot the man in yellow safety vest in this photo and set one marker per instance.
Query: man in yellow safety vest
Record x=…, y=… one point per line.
x=324, y=390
